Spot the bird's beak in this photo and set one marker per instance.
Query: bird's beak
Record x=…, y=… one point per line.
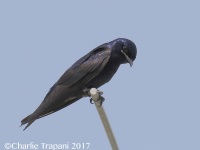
x=127, y=58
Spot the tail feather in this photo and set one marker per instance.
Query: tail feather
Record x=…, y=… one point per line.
x=29, y=119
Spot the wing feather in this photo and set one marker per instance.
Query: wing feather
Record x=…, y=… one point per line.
x=72, y=81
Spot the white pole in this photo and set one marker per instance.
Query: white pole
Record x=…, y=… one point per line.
x=96, y=98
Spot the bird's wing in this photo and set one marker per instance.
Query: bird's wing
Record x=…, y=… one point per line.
x=74, y=79
x=71, y=82
x=90, y=64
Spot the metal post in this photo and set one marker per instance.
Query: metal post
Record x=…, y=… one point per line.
x=95, y=96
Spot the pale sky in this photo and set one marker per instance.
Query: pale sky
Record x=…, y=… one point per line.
x=153, y=105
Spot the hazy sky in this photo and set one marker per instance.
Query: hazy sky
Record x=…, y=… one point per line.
x=155, y=105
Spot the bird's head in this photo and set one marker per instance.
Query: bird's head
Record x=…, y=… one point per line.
x=124, y=50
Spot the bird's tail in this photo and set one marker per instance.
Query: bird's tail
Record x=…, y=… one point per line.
x=29, y=119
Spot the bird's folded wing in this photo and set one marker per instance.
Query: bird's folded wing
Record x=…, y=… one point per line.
x=72, y=81
x=87, y=67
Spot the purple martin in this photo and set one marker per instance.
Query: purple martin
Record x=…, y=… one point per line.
x=91, y=71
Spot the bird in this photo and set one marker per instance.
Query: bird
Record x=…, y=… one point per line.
x=91, y=71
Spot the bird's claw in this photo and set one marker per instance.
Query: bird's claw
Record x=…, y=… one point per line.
x=100, y=100
x=91, y=101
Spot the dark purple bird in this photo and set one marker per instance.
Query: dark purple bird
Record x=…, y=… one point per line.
x=91, y=71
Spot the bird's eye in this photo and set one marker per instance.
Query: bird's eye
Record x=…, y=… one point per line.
x=125, y=49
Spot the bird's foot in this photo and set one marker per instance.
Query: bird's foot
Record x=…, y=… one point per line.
x=100, y=99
